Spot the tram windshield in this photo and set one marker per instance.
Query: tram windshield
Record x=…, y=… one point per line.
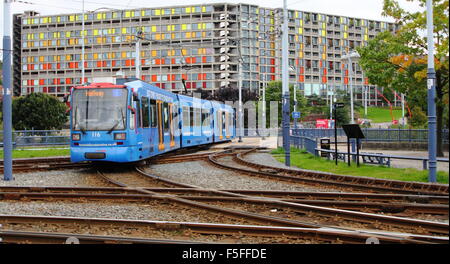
x=99, y=109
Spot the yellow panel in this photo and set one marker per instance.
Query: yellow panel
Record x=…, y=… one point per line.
x=203, y=8
x=67, y=34
x=127, y=13
x=300, y=54
x=95, y=32
x=124, y=30
x=45, y=19
x=345, y=34
x=203, y=34
x=183, y=27
x=154, y=53
x=41, y=35
x=41, y=58
x=301, y=22
x=300, y=31
x=142, y=13
x=184, y=52
x=68, y=57
x=366, y=37
x=324, y=33
x=173, y=11
x=323, y=57
x=99, y=16
x=188, y=10
x=162, y=11
x=124, y=54
x=72, y=18
x=323, y=25
x=296, y=14
x=158, y=12
x=345, y=27
x=95, y=56
x=157, y=36
x=153, y=28
x=188, y=34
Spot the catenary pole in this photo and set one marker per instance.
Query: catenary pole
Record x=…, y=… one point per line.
x=431, y=85
x=285, y=87
x=82, y=46
x=7, y=93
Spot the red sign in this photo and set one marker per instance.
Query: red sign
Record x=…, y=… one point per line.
x=395, y=122
x=322, y=123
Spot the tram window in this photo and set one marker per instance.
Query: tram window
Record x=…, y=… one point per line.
x=186, y=121
x=145, y=112
x=153, y=119
x=191, y=116
x=138, y=114
x=198, y=116
x=166, y=116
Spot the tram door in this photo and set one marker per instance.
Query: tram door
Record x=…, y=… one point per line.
x=171, y=131
x=227, y=124
x=160, y=125
x=219, y=124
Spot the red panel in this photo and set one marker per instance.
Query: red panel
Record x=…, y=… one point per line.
x=272, y=69
x=41, y=81
x=153, y=78
x=68, y=81
x=345, y=80
x=45, y=89
x=325, y=71
x=204, y=59
x=302, y=78
x=324, y=79
x=366, y=81
x=99, y=64
x=273, y=77
x=58, y=66
x=204, y=84
x=302, y=70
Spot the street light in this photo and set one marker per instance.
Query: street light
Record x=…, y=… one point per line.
x=352, y=56
x=431, y=85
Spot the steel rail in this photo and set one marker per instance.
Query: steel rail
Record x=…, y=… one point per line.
x=25, y=237
x=321, y=234
x=438, y=209
x=334, y=196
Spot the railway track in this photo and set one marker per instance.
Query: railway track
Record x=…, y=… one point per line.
x=350, y=201
x=39, y=164
x=430, y=227
x=329, y=179
x=275, y=233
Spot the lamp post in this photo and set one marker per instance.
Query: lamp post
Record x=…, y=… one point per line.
x=7, y=93
x=285, y=87
x=353, y=55
x=431, y=85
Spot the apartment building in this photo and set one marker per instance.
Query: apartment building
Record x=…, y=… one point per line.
x=204, y=45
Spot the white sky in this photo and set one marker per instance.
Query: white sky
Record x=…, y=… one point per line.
x=368, y=9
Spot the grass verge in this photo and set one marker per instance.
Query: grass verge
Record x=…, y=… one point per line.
x=41, y=152
x=380, y=114
x=305, y=160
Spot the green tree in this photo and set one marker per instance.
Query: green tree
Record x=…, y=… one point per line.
x=273, y=93
x=38, y=111
x=399, y=61
x=419, y=118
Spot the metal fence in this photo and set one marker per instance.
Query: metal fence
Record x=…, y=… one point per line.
x=375, y=134
x=39, y=137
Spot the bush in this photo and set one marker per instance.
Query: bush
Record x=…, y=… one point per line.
x=38, y=111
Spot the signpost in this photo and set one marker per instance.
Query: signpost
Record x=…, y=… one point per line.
x=335, y=106
x=353, y=131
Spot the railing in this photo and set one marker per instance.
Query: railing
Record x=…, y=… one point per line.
x=373, y=158
x=376, y=134
x=39, y=137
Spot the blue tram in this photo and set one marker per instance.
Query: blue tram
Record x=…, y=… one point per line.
x=136, y=120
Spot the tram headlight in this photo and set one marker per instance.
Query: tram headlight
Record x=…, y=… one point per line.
x=76, y=137
x=120, y=136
